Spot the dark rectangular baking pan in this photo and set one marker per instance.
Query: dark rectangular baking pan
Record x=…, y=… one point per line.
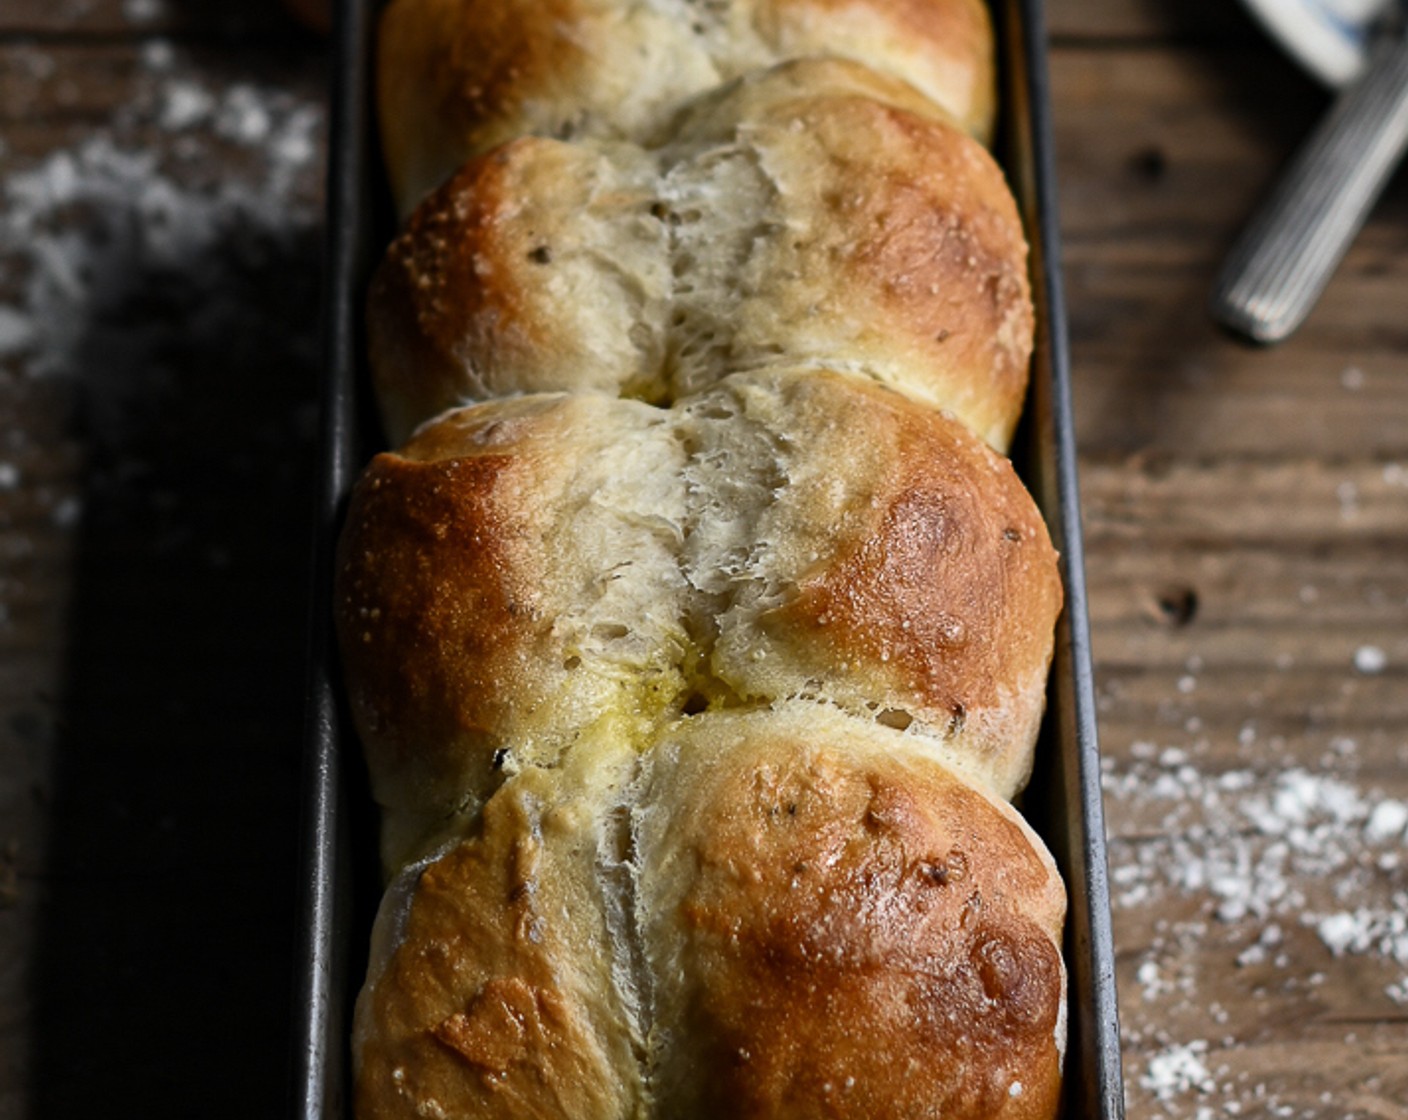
x=339, y=875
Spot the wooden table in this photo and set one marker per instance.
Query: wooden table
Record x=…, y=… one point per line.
x=1247, y=543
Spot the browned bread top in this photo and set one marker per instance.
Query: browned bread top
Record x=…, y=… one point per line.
x=491, y=990
x=763, y=915
x=457, y=77
x=699, y=629
x=816, y=213
x=527, y=569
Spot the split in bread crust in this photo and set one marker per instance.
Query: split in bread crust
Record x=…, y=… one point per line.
x=458, y=77
x=525, y=570
x=815, y=213
x=770, y=914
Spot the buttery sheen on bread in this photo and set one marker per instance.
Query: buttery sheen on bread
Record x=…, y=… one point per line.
x=780, y=913
x=528, y=569
x=697, y=629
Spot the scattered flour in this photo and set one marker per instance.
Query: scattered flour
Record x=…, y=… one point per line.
x=1388, y=821
x=67, y=512
x=1178, y=1069
x=143, y=11
x=17, y=331
x=1276, y=859
x=1364, y=930
x=1347, y=494
x=158, y=55
x=140, y=217
x=1370, y=659
x=1255, y=837
x=1258, y=951
x=185, y=104
x=179, y=238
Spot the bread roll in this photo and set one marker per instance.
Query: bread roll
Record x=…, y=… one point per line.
x=495, y=985
x=814, y=213
x=505, y=581
x=765, y=914
x=894, y=565
x=458, y=77
x=698, y=630
x=526, y=570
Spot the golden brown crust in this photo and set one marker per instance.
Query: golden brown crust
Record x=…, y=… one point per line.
x=527, y=568
x=427, y=285
x=945, y=256
x=501, y=283
x=474, y=73
x=798, y=217
x=480, y=624
x=910, y=266
x=855, y=933
x=450, y=72
x=932, y=582
x=425, y=665
x=805, y=898
x=944, y=599
x=765, y=914
x=917, y=583
x=944, y=49
x=494, y=997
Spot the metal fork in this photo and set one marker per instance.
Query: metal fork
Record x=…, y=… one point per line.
x=1284, y=259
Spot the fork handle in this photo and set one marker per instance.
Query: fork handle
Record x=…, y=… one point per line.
x=1287, y=254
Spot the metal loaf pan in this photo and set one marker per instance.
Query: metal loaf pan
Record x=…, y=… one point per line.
x=339, y=873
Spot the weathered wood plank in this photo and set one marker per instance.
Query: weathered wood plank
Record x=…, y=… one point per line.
x=1247, y=548
x=1123, y=23
x=76, y=19
x=1162, y=159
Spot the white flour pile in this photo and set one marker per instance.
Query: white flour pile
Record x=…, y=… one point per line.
x=1250, y=841
x=1250, y=856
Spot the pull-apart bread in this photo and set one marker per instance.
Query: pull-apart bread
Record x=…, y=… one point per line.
x=528, y=569
x=697, y=630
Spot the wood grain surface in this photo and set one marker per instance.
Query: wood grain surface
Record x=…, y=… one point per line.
x=1246, y=516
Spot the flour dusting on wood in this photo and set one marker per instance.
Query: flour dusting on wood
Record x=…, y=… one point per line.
x=1293, y=869
x=168, y=247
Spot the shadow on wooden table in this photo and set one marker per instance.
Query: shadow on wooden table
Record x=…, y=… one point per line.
x=163, y=976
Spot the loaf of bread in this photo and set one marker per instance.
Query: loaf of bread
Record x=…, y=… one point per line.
x=697, y=629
